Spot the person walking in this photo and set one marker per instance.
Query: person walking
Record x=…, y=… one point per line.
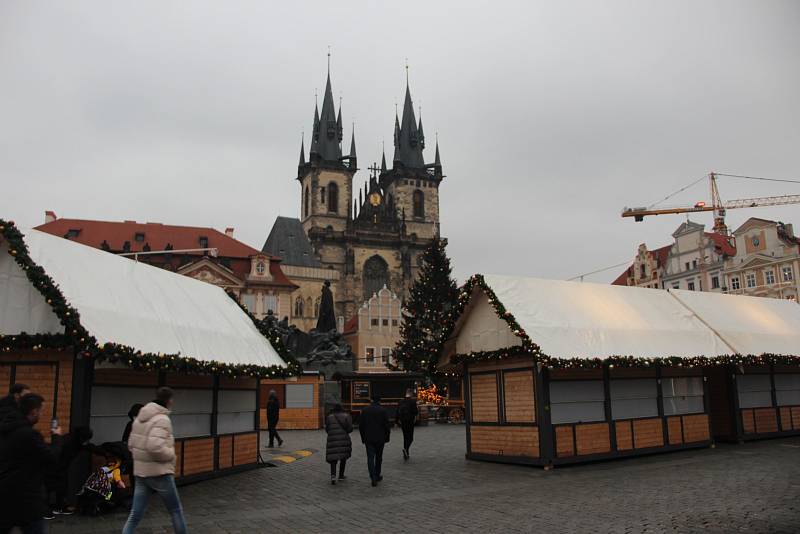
x=375, y=429
x=273, y=414
x=24, y=458
x=132, y=413
x=153, y=447
x=407, y=412
x=338, y=447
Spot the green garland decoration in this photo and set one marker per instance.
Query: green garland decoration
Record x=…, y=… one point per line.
x=528, y=347
x=75, y=335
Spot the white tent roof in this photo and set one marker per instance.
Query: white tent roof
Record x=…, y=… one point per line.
x=583, y=320
x=145, y=307
x=750, y=325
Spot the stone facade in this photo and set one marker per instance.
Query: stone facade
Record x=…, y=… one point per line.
x=371, y=237
x=696, y=259
x=767, y=263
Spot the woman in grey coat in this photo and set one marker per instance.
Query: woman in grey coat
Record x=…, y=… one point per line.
x=338, y=448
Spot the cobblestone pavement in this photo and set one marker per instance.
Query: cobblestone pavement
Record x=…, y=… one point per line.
x=753, y=487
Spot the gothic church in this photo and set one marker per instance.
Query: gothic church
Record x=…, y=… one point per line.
x=370, y=237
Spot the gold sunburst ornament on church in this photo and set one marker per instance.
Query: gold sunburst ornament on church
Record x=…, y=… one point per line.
x=375, y=199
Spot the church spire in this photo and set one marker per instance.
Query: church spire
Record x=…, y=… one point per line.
x=408, y=142
x=327, y=127
x=437, y=161
x=421, y=133
x=302, y=151
x=383, y=160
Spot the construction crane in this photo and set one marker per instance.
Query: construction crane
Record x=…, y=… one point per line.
x=717, y=206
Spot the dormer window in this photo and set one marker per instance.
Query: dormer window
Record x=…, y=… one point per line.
x=72, y=234
x=203, y=242
x=260, y=267
x=139, y=237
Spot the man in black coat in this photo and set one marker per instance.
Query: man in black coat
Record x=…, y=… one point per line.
x=407, y=412
x=273, y=412
x=24, y=457
x=375, y=429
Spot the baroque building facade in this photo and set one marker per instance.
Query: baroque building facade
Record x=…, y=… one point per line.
x=767, y=262
x=372, y=236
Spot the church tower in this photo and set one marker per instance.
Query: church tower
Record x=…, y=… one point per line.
x=326, y=179
x=413, y=184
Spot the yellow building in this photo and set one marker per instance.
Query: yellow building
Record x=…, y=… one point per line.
x=374, y=331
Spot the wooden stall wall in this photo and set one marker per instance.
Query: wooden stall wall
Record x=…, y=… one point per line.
x=47, y=372
x=767, y=408
x=293, y=418
x=612, y=436
x=502, y=410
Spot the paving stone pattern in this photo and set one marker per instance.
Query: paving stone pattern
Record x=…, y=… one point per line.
x=753, y=487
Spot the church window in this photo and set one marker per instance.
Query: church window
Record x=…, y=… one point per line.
x=316, y=307
x=419, y=204
x=642, y=271
x=333, y=197
x=298, y=307
x=309, y=307
x=322, y=195
x=307, y=199
x=375, y=275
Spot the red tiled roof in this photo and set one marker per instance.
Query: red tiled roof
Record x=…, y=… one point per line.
x=351, y=326
x=722, y=244
x=622, y=280
x=156, y=235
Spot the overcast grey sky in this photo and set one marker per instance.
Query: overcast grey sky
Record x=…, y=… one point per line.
x=552, y=116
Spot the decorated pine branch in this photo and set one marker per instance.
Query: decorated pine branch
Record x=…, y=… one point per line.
x=427, y=315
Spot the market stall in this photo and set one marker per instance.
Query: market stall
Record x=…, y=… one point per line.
x=559, y=372
x=95, y=333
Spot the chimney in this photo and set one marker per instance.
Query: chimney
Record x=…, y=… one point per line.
x=49, y=216
x=229, y=231
x=789, y=230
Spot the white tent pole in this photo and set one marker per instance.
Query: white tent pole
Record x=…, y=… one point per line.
x=720, y=336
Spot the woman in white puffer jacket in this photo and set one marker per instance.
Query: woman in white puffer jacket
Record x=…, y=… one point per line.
x=153, y=447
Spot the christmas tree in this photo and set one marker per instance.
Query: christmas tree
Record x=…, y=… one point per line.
x=426, y=314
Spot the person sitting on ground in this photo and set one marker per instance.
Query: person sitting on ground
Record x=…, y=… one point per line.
x=24, y=457
x=338, y=447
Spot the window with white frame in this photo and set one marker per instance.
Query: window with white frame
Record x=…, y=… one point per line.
x=755, y=391
x=750, y=279
x=573, y=401
x=788, y=274
x=249, y=302
x=634, y=398
x=769, y=276
x=715, y=282
x=787, y=389
x=271, y=303
x=735, y=282
x=682, y=395
x=676, y=285
x=690, y=285
x=385, y=352
x=369, y=354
